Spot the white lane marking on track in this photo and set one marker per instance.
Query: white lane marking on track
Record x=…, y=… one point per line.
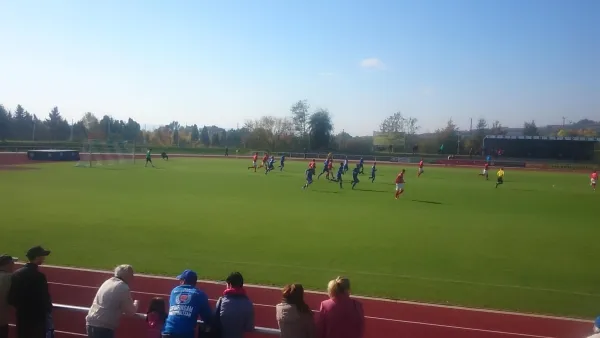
x=357, y=297
x=316, y=311
x=61, y=332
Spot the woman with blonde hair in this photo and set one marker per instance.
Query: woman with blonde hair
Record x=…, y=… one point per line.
x=340, y=316
x=294, y=317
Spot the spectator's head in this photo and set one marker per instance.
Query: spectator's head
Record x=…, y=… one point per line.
x=597, y=325
x=293, y=294
x=125, y=273
x=7, y=263
x=338, y=287
x=235, y=280
x=37, y=255
x=158, y=305
x=188, y=277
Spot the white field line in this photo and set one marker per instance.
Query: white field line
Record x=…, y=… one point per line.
x=358, y=297
x=369, y=317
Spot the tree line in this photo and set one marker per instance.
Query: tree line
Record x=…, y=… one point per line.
x=303, y=128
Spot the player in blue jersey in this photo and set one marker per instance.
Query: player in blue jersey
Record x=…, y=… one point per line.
x=373, y=170
x=270, y=164
x=361, y=166
x=340, y=172
x=325, y=169
x=281, y=162
x=355, y=173
x=309, y=178
x=345, y=165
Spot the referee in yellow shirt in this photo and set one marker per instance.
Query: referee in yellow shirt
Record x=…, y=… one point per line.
x=500, y=175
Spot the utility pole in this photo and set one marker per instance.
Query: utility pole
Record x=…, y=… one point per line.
x=564, y=118
x=471, y=127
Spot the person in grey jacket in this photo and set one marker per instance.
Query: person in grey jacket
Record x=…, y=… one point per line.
x=236, y=311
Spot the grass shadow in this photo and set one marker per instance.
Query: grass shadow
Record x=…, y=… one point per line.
x=374, y=190
x=326, y=192
x=428, y=202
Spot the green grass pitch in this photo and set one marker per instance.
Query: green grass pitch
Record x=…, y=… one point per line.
x=531, y=245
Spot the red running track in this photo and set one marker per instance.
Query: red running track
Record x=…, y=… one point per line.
x=384, y=319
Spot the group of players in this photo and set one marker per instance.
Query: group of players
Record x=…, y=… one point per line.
x=268, y=162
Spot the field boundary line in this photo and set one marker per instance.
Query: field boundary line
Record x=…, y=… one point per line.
x=355, y=296
x=316, y=311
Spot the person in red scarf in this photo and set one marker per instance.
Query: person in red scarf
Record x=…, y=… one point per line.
x=235, y=311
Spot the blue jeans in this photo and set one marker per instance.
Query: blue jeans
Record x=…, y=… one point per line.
x=99, y=332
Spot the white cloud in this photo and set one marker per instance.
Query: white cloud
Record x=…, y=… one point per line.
x=372, y=63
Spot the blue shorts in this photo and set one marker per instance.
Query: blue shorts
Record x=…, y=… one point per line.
x=355, y=178
x=309, y=180
x=339, y=177
x=281, y=164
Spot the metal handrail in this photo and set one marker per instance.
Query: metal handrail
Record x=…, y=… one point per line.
x=257, y=329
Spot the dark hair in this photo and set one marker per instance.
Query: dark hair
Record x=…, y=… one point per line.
x=235, y=279
x=293, y=294
x=158, y=305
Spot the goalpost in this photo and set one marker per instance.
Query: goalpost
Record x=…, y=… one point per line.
x=96, y=153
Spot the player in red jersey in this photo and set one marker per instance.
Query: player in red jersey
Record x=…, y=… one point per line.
x=312, y=165
x=264, y=160
x=400, y=183
x=485, y=171
x=254, y=158
x=421, y=163
x=329, y=170
x=594, y=179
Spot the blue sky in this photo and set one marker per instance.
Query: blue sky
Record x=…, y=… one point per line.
x=222, y=62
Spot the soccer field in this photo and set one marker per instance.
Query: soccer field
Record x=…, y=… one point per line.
x=530, y=245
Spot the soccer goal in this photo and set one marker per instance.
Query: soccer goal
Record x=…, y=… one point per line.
x=96, y=153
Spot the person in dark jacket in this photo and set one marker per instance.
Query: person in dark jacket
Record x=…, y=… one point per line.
x=30, y=297
x=7, y=263
x=235, y=310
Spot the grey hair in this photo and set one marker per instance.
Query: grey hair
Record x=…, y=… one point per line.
x=123, y=270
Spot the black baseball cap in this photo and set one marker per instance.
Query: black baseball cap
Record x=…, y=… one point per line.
x=37, y=251
x=6, y=259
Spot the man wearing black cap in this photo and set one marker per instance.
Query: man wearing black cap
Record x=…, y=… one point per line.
x=6, y=268
x=30, y=296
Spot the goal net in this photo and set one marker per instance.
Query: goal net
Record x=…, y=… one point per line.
x=95, y=153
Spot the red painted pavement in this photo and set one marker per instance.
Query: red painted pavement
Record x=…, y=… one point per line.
x=385, y=319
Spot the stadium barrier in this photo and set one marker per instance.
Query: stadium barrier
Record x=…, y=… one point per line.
x=82, y=309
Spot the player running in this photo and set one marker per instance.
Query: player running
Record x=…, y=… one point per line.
x=345, y=165
x=420, y=171
x=340, y=172
x=149, y=158
x=329, y=175
x=164, y=156
x=309, y=178
x=400, y=184
x=361, y=165
x=484, y=173
x=373, y=170
x=325, y=169
x=500, y=175
x=265, y=160
x=355, y=173
x=594, y=179
x=312, y=166
x=270, y=165
x=254, y=158
x=281, y=162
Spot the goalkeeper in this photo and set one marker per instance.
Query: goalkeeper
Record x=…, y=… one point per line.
x=164, y=156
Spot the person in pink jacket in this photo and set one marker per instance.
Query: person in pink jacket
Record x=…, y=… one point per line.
x=340, y=316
